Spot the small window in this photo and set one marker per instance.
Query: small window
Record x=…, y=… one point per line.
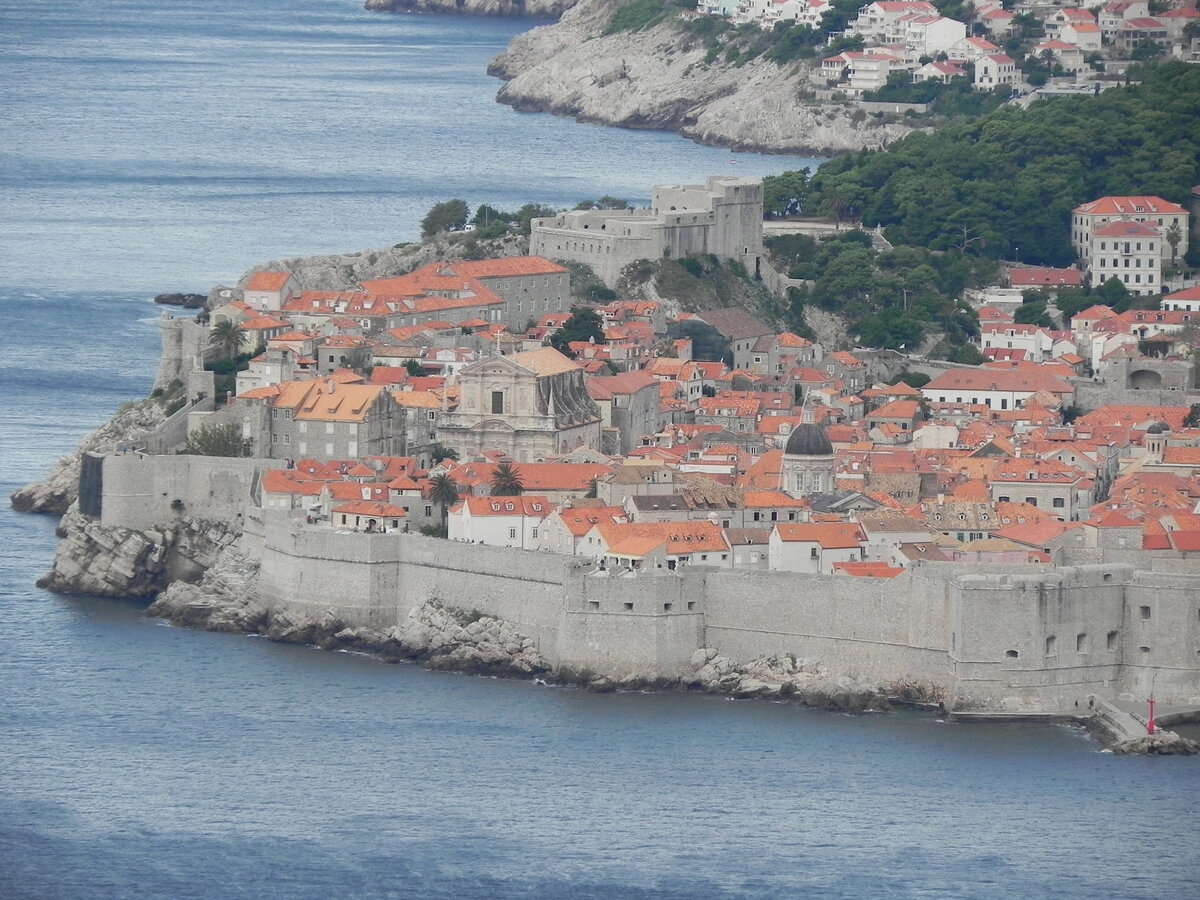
x=1143, y=649
x=1112, y=640
x=512, y=532
x=813, y=553
x=667, y=607
x=593, y=604
x=628, y=607
x=1081, y=643
x=1145, y=612
x=1059, y=502
x=691, y=605
x=1011, y=654
x=1052, y=646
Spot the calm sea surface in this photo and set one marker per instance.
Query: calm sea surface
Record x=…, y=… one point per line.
x=148, y=147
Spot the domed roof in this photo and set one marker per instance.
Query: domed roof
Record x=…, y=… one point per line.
x=1154, y=429
x=809, y=439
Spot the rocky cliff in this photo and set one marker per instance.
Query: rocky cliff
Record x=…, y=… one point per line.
x=118, y=562
x=540, y=9
x=656, y=78
x=60, y=487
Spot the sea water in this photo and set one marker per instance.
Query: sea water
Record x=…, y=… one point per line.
x=147, y=147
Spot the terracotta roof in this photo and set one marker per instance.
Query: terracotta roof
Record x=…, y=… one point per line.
x=508, y=267
x=370, y=508
x=527, y=505
x=267, y=281
x=546, y=361
x=1126, y=206
x=868, y=569
x=839, y=536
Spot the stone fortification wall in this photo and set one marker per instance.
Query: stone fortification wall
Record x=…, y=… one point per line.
x=1160, y=646
x=1091, y=395
x=1001, y=638
x=142, y=492
x=1057, y=623
x=578, y=619
x=881, y=630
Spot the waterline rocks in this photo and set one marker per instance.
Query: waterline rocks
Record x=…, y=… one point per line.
x=805, y=681
x=1162, y=743
x=445, y=637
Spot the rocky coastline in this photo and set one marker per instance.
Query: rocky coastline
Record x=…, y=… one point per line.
x=656, y=79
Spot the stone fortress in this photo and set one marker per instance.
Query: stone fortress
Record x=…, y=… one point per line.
x=1113, y=625
x=723, y=217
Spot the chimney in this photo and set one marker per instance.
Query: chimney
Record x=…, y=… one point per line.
x=941, y=499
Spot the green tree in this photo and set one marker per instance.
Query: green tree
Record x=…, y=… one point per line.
x=507, y=481
x=228, y=337
x=584, y=324
x=1033, y=314
x=218, y=440
x=414, y=368
x=440, y=452
x=447, y=216
x=531, y=211
x=1192, y=419
x=444, y=492
x=785, y=191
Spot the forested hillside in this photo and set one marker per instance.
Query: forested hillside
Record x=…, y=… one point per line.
x=1004, y=185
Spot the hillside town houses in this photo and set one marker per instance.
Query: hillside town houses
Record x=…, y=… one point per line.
x=1077, y=45
x=435, y=401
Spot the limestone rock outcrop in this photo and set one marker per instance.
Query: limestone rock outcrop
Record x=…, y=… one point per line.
x=1162, y=743
x=60, y=487
x=803, y=680
x=542, y=9
x=118, y=562
x=224, y=599
x=657, y=78
x=445, y=637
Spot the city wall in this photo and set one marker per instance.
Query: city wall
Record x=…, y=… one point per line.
x=1019, y=638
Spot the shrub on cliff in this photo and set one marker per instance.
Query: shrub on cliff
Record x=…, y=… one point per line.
x=218, y=440
x=448, y=216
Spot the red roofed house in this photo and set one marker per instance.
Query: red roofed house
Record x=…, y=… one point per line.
x=500, y=521
x=1039, y=277
x=995, y=70
x=1048, y=484
x=266, y=291
x=995, y=388
x=657, y=545
x=1186, y=300
x=1126, y=251
x=813, y=547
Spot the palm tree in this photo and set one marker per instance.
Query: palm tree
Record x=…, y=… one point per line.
x=227, y=336
x=1174, y=234
x=507, y=481
x=443, y=491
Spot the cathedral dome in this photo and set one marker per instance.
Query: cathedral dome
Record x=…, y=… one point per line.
x=809, y=439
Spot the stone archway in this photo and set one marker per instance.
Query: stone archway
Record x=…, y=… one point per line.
x=1145, y=380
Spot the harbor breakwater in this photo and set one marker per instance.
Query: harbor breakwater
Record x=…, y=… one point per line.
x=1012, y=639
